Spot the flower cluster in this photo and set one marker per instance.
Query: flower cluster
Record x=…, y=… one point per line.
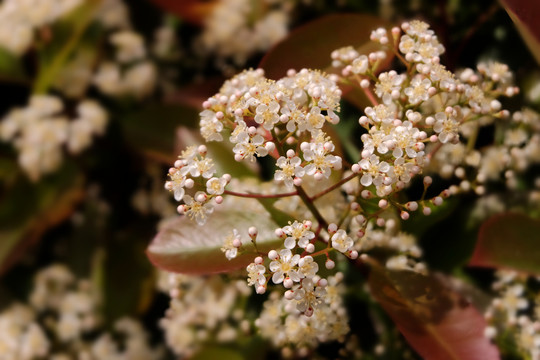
x=62, y=321
x=202, y=310
x=423, y=119
x=194, y=166
x=283, y=322
x=19, y=20
x=237, y=29
x=40, y=130
x=513, y=308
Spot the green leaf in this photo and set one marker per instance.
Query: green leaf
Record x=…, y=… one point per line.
x=185, y=247
x=152, y=129
x=436, y=321
x=509, y=241
x=310, y=46
x=11, y=68
x=29, y=209
x=280, y=217
x=524, y=14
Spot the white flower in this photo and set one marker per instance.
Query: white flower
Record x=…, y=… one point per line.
x=202, y=167
x=373, y=170
x=418, y=90
x=196, y=210
x=307, y=267
x=320, y=161
x=297, y=232
x=249, y=146
x=290, y=168
x=389, y=83
x=309, y=297
x=341, y=241
x=256, y=274
x=216, y=186
x=267, y=115
x=285, y=265
x=360, y=65
x=228, y=247
x=447, y=127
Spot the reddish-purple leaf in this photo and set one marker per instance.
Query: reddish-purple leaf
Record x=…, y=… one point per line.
x=183, y=246
x=193, y=11
x=525, y=14
x=310, y=46
x=437, y=322
x=509, y=241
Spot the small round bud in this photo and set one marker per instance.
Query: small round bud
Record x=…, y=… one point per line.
x=227, y=177
x=273, y=255
x=322, y=283
x=329, y=264
x=252, y=231
x=237, y=243
x=383, y=203
x=218, y=199
x=261, y=289
x=427, y=180
x=355, y=206
x=202, y=150
x=433, y=138
x=288, y=283
x=189, y=183
x=309, y=312
x=332, y=228
x=380, y=222
x=181, y=209
x=364, y=83
x=291, y=153
x=404, y=215
x=412, y=206
x=310, y=248
x=201, y=198
x=289, y=295
x=366, y=194
x=238, y=157
x=258, y=260
x=239, y=112
x=353, y=254
x=280, y=233
x=297, y=181
x=437, y=201
x=360, y=233
x=426, y=211
x=270, y=146
x=355, y=168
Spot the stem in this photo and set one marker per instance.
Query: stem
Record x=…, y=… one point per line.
x=48, y=75
x=368, y=92
x=260, y=196
x=335, y=186
x=309, y=203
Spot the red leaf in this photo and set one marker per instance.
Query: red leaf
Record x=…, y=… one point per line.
x=193, y=11
x=310, y=46
x=509, y=241
x=525, y=14
x=437, y=322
